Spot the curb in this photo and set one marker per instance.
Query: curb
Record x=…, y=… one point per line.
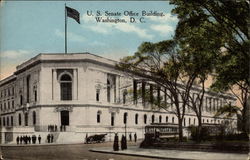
x=136, y=155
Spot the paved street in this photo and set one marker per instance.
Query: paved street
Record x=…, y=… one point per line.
x=104, y=151
x=56, y=152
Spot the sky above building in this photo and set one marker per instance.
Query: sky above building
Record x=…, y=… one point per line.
x=28, y=28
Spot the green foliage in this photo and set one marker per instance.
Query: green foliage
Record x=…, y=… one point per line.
x=218, y=29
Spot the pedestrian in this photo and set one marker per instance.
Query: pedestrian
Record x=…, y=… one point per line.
x=130, y=137
x=29, y=139
x=48, y=138
x=122, y=143
x=17, y=140
x=52, y=138
x=39, y=139
x=116, y=143
x=86, y=139
x=26, y=139
x=135, y=137
x=21, y=139
x=34, y=139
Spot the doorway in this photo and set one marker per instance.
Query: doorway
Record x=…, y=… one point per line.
x=64, y=118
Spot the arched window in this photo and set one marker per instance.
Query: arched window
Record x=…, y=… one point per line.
x=125, y=116
x=34, y=117
x=189, y=121
x=136, y=118
x=184, y=121
x=98, y=118
x=145, y=119
x=19, y=119
x=160, y=119
x=153, y=118
x=26, y=118
x=125, y=92
x=166, y=119
x=172, y=119
x=194, y=121
x=108, y=90
x=207, y=121
x=66, y=87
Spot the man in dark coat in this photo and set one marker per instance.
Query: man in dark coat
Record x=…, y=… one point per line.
x=48, y=138
x=135, y=137
x=39, y=139
x=52, y=138
x=130, y=137
x=116, y=143
x=17, y=140
x=21, y=139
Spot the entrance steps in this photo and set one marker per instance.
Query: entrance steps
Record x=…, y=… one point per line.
x=70, y=137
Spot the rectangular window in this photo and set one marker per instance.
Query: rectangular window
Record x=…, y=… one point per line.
x=28, y=88
x=66, y=91
x=97, y=95
x=135, y=91
x=35, y=95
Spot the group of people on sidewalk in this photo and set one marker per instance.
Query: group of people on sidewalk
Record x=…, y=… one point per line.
x=50, y=138
x=54, y=128
x=135, y=137
x=25, y=139
x=123, y=141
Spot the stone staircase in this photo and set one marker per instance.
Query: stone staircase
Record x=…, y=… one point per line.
x=70, y=137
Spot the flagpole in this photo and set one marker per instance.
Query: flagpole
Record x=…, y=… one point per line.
x=65, y=29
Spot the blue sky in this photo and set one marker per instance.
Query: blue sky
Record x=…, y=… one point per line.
x=28, y=28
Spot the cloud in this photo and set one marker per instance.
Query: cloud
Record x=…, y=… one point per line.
x=162, y=28
x=71, y=36
x=6, y=71
x=108, y=28
x=168, y=18
x=13, y=54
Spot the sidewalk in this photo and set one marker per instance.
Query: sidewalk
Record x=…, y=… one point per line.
x=42, y=144
x=174, y=154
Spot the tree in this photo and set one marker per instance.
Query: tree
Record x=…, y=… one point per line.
x=225, y=23
x=163, y=64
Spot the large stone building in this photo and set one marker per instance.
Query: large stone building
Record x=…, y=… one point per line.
x=81, y=94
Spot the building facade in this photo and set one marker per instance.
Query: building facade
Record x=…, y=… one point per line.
x=83, y=94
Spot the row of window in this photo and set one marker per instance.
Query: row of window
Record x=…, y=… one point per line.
x=7, y=92
x=210, y=104
x=191, y=121
x=6, y=105
x=8, y=120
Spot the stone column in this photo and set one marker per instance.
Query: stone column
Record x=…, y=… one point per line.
x=74, y=85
